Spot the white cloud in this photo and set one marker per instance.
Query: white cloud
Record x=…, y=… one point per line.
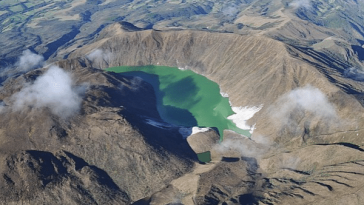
x=230, y=145
x=54, y=90
x=262, y=140
x=230, y=10
x=27, y=61
x=255, y=147
x=98, y=57
x=354, y=73
x=301, y=3
x=289, y=162
x=308, y=102
x=308, y=98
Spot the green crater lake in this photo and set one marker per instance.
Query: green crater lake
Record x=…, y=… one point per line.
x=185, y=98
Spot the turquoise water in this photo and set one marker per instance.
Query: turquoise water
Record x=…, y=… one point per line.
x=185, y=98
x=204, y=157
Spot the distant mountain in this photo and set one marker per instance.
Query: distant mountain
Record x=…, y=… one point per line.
x=68, y=25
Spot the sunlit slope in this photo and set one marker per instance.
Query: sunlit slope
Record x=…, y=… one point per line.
x=246, y=67
x=253, y=70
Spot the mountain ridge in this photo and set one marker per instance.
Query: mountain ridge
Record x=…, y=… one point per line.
x=300, y=61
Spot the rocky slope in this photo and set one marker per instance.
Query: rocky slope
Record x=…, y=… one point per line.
x=307, y=147
x=106, y=148
x=294, y=162
x=38, y=177
x=246, y=67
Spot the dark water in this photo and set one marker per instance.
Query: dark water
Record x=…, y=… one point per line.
x=185, y=98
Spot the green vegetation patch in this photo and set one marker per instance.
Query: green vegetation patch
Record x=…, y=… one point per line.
x=185, y=98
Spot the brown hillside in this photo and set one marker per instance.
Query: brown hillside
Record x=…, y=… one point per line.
x=256, y=70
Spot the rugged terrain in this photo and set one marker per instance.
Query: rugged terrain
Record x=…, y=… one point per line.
x=231, y=60
x=50, y=26
x=301, y=61
x=127, y=158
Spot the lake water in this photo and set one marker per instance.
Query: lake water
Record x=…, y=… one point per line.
x=185, y=98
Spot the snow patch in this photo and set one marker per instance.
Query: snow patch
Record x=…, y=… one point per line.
x=252, y=128
x=225, y=95
x=243, y=114
x=196, y=130
x=188, y=131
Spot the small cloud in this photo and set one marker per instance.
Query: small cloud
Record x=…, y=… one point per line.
x=307, y=98
x=27, y=61
x=244, y=147
x=136, y=82
x=308, y=102
x=230, y=10
x=54, y=90
x=301, y=4
x=98, y=57
x=354, y=73
x=290, y=162
x=262, y=140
